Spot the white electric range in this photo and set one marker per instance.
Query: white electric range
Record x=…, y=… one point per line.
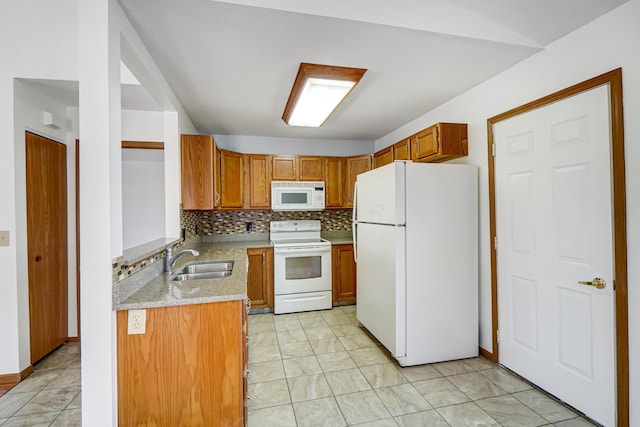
x=301, y=268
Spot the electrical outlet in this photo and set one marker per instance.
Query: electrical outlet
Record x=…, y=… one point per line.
x=249, y=226
x=137, y=322
x=4, y=238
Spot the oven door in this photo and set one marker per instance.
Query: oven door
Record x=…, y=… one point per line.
x=299, y=269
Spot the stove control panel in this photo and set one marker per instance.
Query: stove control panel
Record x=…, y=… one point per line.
x=295, y=225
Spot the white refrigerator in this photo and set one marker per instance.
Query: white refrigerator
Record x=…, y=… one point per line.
x=415, y=229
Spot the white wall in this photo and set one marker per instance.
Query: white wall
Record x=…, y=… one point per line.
x=603, y=45
x=142, y=125
x=273, y=145
x=29, y=104
x=28, y=51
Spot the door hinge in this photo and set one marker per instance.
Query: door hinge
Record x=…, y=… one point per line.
x=493, y=149
x=614, y=284
x=495, y=243
x=498, y=336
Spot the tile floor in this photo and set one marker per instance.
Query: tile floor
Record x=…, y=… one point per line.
x=321, y=369
x=50, y=396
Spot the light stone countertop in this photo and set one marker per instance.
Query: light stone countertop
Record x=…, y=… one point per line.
x=338, y=237
x=160, y=291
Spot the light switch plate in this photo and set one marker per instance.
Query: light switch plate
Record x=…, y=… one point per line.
x=137, y=322
x=4, y=237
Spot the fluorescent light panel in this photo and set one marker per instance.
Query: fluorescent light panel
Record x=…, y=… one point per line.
x=317, y=92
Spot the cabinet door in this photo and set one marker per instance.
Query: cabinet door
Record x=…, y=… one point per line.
x=197, y=164
x=344, y=273
x=258, y=181
x=333, y=182
x=284, y=168
x=310, y=168
x=383, y=157
x=260, y=277
x=182, y=354
x=402, y=150
x=425, y=143
x=231, y=175
x=355, y=165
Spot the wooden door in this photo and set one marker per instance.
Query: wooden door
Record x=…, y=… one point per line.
x=355, y=166
x=554, y=225
x=260, y=277
x=197, y=164
x=344, y=273
x=383, y=157
x=231, y=175
x=258, y=183
x=310, y=168
x=284, y=168
x=402, y=150
x=334, y=182
x=47, y=244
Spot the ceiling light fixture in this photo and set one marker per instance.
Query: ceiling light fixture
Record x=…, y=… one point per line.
x=317, y=92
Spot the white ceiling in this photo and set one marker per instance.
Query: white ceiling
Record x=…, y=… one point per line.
x=231, y=63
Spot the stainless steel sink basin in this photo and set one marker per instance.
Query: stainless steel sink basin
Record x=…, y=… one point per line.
x=204, y=270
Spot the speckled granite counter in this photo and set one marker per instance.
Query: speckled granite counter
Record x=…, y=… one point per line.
x=338, y=237
x=159, y=291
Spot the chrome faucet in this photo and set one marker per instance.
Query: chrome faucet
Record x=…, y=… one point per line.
x=170, y=259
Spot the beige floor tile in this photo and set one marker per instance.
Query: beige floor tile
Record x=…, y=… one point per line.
x=355, y=342
x=76, y=403
x=326, y=345
x=387, y=422
x=264, y=353
x=308, y=387
x=261, y=328
x=510, y=412
x=480, y=363
x=402, y=399
x=454, y=367
x=49, y=400
x=319, y=333
x=296, y=349
x=422, y=419
x=575, y=422
x=347, y=330
x=69, y=418
x=270, y=393
x=336, y=317
x=301, y=366
x=370, y=356
x=265, y=371
x=314, y=322
x=383, y=375
x=260, y=318
x=440, y=392
x=288, y=325
x=277, y=416
x=36, y=381
x=260, y=340
x=291, y=336
x=55, y=362
x=420, y=372
x=545, y=406
x=467, y=415
x=476, y=386
x=309, y=315
x=362, y=407
x=505, y=380
x=34, y=420
x=319, y=413
x=70, y=377
x=335, y=361
x=11, y=403
x=347, y=381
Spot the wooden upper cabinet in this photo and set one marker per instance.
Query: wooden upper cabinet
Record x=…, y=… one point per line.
x=198, y=170
x=354, y=166
x=333, y=182
x=310, y=168
x=257, y=169
x=231, y=179
x=297, y=168
x=402, y=150
x=284, y=168
x=383, y=157
x=440, y=142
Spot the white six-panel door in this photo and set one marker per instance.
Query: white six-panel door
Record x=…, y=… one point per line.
x=554, y=229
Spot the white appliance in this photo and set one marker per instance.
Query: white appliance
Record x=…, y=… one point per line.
x=301, y=266
x=416, y=248
x=297, y=195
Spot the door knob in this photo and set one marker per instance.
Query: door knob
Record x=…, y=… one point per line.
x=598, y=282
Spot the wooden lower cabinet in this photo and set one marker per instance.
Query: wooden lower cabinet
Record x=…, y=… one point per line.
x=343, y=272
x=189, y=368
x=260, y=277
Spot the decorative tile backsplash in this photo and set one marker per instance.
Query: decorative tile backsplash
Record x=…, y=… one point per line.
x=207, y=223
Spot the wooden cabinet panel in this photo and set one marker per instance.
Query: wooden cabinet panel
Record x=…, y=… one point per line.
x=354, y=166
x=383, y=157
x=260, y=277
x=440, y=142
x=310, y=168
x=187, y=369
x=333, y=182
x=284, y=168
x=231, y=175
x=344, y=273
x=258, y=181
x=198, y=170
x=402, y=150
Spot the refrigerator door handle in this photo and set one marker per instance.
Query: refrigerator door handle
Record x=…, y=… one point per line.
x=354, y=225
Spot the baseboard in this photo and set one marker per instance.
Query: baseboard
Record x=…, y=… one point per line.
x=73, y=339
x=16, y=378
x=487, y=354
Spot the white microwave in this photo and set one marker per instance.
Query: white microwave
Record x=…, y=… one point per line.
x=297, y=195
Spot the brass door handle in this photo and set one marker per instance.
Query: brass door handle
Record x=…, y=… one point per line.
x=598, y=283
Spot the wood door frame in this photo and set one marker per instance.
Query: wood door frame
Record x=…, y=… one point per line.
x=614, y=80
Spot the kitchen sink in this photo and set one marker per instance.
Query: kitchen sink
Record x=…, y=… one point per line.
x=204, y=270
